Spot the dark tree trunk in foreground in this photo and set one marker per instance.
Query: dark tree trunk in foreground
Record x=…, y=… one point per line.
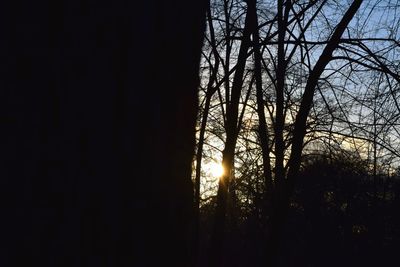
x=97, y=112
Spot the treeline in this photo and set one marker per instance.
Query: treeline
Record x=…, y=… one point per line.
x=338, y=217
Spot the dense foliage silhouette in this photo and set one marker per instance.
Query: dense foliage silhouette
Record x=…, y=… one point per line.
x=333, y=220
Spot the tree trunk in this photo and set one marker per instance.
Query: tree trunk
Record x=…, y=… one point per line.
x=280, y=86
x=100, y=102
x=232, y=112
x=199, y=153
x=262, y=125
x=284, y=192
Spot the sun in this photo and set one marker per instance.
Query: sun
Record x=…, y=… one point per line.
x=215, y=169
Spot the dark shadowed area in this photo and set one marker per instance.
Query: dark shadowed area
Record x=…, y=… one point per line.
x=201, y=133
x=98, y=107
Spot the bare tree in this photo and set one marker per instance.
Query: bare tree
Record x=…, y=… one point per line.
x=310, y=63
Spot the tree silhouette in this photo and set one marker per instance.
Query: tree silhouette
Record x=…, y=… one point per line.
x=98, y=110
x=310, y=67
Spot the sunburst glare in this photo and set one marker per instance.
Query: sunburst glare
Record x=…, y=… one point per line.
x=215, y=169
